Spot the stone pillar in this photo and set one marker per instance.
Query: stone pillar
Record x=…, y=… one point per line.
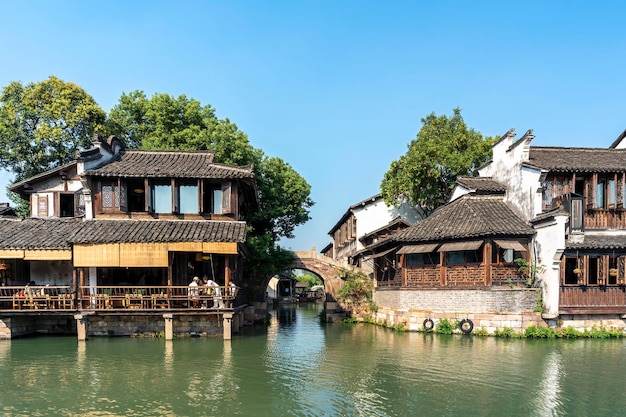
x=236, y=325
x=5, y=328
x=228, y=321
x=169, y=326
x=81, y=326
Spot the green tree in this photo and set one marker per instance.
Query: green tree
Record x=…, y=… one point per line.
x=309, y=278
x=43, y=124
x=444, y=149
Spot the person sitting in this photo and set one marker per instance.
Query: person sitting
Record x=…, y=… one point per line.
x=232, y=291
x=194, y=292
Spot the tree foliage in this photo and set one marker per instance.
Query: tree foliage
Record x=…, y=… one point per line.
x=43, y=124
x=444, y=149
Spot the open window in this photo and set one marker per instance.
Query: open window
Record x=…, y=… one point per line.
x=461, y=253
x=507, y=251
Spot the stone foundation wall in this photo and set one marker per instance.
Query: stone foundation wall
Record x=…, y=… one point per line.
x=154, y=325
x=18, y=326
x=489, y=310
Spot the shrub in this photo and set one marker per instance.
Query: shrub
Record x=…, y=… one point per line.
x=444, y=327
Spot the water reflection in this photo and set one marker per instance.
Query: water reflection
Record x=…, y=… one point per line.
x=548, y=393
x=300, y=367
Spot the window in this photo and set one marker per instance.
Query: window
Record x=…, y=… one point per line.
x=605, y=193
x=572, y=273
x=66, y=205
x=611, y=192
x=416, y=259
x=188, y=198
x=161, y=197
x=110, y=195
x=136, y=195
x=599, y=202
x=576, y=214
x=464, y=257
x=216, y=198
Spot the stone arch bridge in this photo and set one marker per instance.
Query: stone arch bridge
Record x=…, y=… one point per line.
x=323, y=266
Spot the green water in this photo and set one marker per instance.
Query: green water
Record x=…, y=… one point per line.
x=299, y=367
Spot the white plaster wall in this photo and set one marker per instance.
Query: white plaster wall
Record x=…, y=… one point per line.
x=523, y=187
x=378, y=214
x=51, y=272
x=549, y=245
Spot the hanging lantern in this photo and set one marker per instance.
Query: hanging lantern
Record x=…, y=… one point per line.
x=3, y=265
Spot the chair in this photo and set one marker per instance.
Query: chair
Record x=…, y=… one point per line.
x=37, y=302
x=160, y=301
x=134, y=301
x=65, y=301
x=18, y=301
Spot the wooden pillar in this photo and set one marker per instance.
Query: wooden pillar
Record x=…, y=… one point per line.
x=228, y=321
x=170, y=266
x=487, y=261
x=227, y=271
x=81, y=326
x=442, y=269
x=169, y=326
x=81, y=283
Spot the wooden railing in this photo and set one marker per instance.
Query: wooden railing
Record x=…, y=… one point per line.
x=115, y=297
x=603, y=299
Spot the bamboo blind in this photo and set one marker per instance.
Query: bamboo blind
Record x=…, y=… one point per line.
x=143, y=254
x=48, y=255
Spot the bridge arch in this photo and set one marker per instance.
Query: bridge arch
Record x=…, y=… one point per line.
x=323, y=266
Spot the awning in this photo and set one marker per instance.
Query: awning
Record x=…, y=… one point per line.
x=418, y=248
x=455, y=246
x=378, y=255
x=511, y=244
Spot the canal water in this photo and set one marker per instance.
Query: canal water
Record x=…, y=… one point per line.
x=298, y=366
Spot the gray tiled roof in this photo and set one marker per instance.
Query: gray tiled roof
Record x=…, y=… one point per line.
x=481, y=184
x=137, y=231
x=37, y=233
x=599, y=242
x=170, y=164
x=467, y=217
x=578, y=159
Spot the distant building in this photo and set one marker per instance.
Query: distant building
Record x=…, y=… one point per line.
x=363, y=223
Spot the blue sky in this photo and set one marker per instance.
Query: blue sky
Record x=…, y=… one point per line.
x=338, y=88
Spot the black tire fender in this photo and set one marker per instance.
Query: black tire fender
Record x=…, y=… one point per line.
x=466, y=326
x=429, y=324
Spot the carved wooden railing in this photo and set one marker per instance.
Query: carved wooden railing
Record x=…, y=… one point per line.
x=115, y=297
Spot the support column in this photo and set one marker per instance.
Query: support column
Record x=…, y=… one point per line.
x=169, y=326
x=228, y=322
x=81, y=326
x=235, y=323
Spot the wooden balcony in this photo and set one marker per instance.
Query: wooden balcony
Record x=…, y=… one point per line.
x=592, y=300
x=115, y=298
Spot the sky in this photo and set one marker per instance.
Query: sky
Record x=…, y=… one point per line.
x=338, y=88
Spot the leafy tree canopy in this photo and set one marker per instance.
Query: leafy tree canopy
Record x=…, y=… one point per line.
x=443, y=149
x=43, y=124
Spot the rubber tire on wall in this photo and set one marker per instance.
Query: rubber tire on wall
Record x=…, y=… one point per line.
x=429, y=324
x=466, y=326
